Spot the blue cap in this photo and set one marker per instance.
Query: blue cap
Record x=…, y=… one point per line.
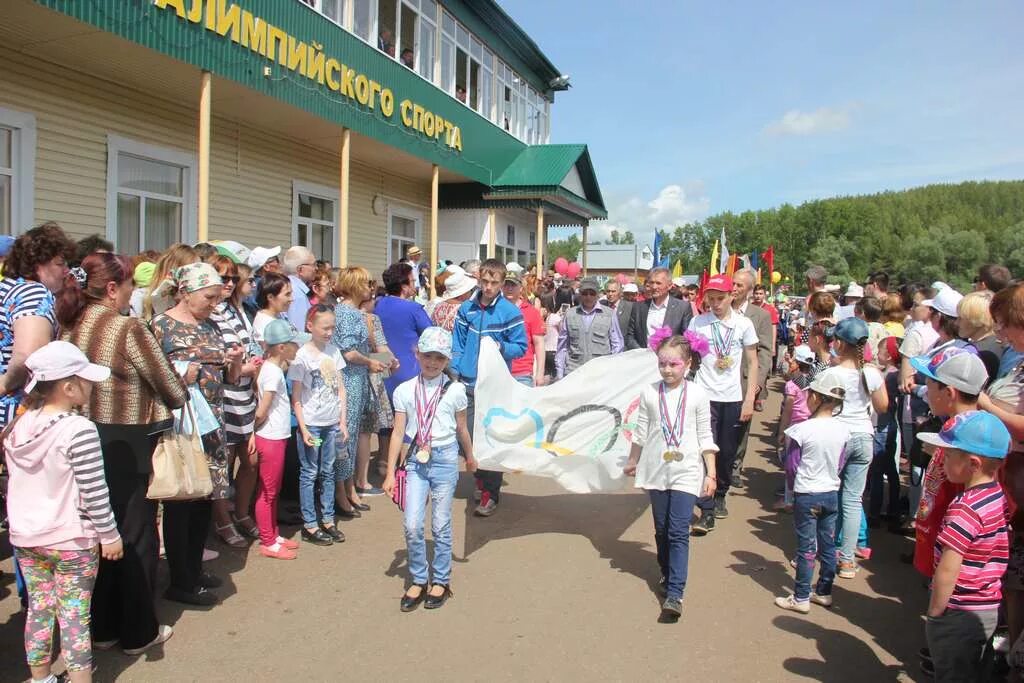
x=852, y=330
x=975, y=432
x=281, y=332
x=6, y=243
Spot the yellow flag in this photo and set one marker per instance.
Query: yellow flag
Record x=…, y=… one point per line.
x=677, y=271
x=714, y=260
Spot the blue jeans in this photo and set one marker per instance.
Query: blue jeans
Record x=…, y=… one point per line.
x=851, y=494
x=672, y=511
x=436, y=479
x=525, y=380
x=814, y=516
x=316, y=472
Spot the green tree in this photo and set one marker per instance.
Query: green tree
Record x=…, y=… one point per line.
x=568, y=249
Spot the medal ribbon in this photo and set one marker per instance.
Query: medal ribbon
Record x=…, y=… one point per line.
x=722, y=343
x=673, y=432
x=425, y=411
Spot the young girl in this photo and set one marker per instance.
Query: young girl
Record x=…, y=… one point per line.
x=274, y=298
x=865, y=389
x=273, y=429
x=59, y=509
x=673, y=455
x=812, y=467
x=884, y=466
x=318, y=399
x=430, y=411
x=794, y=409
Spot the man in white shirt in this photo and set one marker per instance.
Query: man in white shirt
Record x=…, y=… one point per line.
x=300, y=266
x=658, y=310
x=733, y=342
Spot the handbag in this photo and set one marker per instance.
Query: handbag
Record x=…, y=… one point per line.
x=180, y=469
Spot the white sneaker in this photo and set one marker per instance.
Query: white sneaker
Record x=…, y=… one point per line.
x=163, y=634
x=823, y=600
x=485, y=509
x=791, y=603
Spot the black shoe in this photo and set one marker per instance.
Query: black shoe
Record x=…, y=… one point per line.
x=199, y=597
x=208, y=580
x=721, y=512
x=317, y=537
x=334, y=533
x=672, y=608
x=361, y=506
x=347, y=514
x=436, y=601
x=710, y=523
x=700, y=525
x=409, y=604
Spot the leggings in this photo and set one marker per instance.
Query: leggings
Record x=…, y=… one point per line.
x=271, y=472
x=59, y=584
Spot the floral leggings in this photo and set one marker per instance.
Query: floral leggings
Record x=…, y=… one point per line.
x=59, y=584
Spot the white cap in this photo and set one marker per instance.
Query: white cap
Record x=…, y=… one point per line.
x=679, y=281
x=260, y=255
x=939, y=285
x=457, y=284
x=854, y=290
x=630, y=288
x=512, y=265
x=829, y=384
x=945, y=302
x=60, y=359
x=803, y=354
x=240, y=252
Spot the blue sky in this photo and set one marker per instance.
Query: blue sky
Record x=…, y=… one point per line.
x=690, y=109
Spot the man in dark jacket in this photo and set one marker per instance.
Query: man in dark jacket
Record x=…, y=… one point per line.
x=658, y=310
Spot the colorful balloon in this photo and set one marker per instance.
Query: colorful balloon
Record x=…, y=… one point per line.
x=622, y=278
x=561, y=265
x=776, y=277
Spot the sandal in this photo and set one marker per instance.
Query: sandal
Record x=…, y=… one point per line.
x=250, y=529
x=233, y=539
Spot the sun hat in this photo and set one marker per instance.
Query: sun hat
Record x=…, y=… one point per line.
x=852, y=330
x=975, y=432
x=854, y=291
x=61, y=359
x=281, y=331
x=436, y=340
x=260, y=255
x=236, y=251
x=803, y=354
x=959, y=368
x=143, y=274
x=630, y=288
x=945, y=302
x=457, y=284
x=828, y=384
x=719, y=283
x=413, y=251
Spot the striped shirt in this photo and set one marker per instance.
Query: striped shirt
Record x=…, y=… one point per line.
x=19, y=298
x=975, y=527
x=87, y=465
x=239, y=399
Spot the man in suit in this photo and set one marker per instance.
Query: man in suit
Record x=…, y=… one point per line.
x=658, y=310
x=613, y=300
x=742, y=288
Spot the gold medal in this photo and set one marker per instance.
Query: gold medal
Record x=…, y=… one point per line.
x=423, y=455
x=723, y=362
x=670, y=456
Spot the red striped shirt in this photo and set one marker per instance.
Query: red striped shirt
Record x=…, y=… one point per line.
x=975, y=526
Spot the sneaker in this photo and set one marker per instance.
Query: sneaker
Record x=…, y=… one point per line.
x=823, y=600
x=104, y=644
x=281, y=553
x=793, y=605
x=210, y=555
x=847, y=570
x=317, y=537
x=487, y=507
x=721, y=512
x=478, y=492
x=163, y=634
x=672, y=607
x=371, y=491
x=862, y=553
x=334, y=532
x=710, y=523
x=199, y=597
x=700, y=526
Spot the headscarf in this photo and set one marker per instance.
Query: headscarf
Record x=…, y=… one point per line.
x=190, y=278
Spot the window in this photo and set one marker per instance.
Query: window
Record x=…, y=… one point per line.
x=448, y=53
x=403, y=229
x=333, y=10
x=17, y=170
x=428, y=34
x=487, y=86
x=149, y=196
x=510, y=235
x=315, y=219
x=364, y=19
x=387, y=26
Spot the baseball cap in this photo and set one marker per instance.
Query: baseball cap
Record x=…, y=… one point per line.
x=720, y=283
x=630, y=288
x=515, y=276
x=945, y=302
x=589, y=283
x=282, y=332
x=829, y=384
x=803, y=354
x=854, y=291
x=513, y=267
x=260, y=255
x=959, y=368
x=143, y=274
x=852, y=330
x=974, y=432
x=236, y=251
x=436, y=340
x=59, y=360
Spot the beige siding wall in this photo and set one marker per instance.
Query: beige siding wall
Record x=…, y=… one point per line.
x=251, y=170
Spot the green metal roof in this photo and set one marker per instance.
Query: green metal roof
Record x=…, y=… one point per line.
x=540, y=170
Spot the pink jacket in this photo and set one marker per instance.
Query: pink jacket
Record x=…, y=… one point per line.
x=57, y=496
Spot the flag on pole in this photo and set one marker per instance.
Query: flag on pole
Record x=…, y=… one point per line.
x=724, y=258
x=732, y=265
x=657, y=248
x=677, y=270
x=714, y=259
x=704, y=277
x=769, y=260
x=755, y=260
x=745, y=260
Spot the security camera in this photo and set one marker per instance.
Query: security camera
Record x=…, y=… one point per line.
x=560, y=82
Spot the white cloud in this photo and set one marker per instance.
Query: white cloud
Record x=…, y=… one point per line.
x=821, y=120
x=673, y=205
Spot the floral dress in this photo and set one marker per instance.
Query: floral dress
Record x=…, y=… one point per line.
x=201, y=344
x=351, y=334
x=379, y=414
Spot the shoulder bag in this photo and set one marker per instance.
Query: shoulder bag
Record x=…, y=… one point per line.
x=401, y=476
x=180, y=468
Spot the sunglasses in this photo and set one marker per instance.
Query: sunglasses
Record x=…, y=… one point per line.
x=232, y=279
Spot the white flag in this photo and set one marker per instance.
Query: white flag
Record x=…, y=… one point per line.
x=576, y=431
x=723, y=260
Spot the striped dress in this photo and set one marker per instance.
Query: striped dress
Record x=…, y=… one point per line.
x=239, y=399
x=20, y=298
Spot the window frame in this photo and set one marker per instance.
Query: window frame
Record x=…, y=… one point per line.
x=116, y=146
x=23, y=167
x=319, y=192
x=409, y=213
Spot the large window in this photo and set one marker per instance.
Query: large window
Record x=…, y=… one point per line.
x=149, y=196
x=314, y=219
x=448, y=53
x=17, y=170
x=364, y=19
x=403, y=231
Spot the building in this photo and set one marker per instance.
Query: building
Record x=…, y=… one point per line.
x=611, y=259
x=355, y=127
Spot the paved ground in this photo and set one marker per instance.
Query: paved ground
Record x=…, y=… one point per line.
x=555, y=587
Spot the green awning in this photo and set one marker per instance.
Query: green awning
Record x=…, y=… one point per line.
x=559, y=174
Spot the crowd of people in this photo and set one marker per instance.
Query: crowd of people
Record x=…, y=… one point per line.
x=282, y=373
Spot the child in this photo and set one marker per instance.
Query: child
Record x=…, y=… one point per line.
x=273, y=429
x=865, y=391
x=813, y=462
x=673, y=456
x=318, y=399
x=59, y=509
x=794, y=408
x=430, y=411
x=971, y=549
x=883, y=464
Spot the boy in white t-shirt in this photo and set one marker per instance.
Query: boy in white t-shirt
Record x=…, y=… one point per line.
x=732, y=337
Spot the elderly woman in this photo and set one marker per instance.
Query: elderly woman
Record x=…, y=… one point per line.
x=34, y=272
x=458, y=287
x=191, y=341
x=130, y=411
x=975, y=324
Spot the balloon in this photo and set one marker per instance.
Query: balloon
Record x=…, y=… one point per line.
x=573, y=270
x=776, y=277
x=622, y=278
x=561, y=265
